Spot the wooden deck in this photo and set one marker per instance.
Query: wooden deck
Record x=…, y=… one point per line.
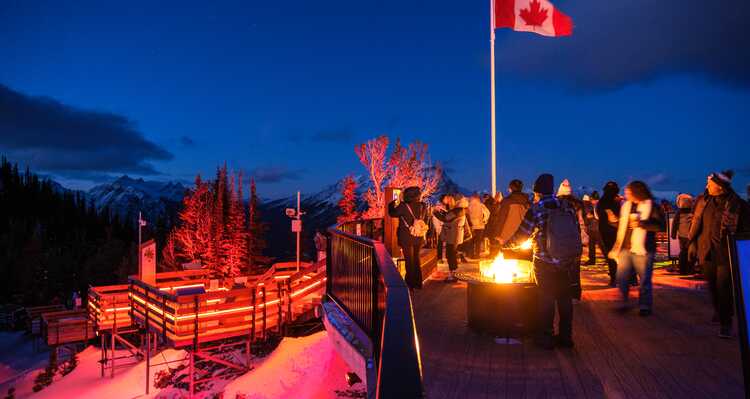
x=674, y=353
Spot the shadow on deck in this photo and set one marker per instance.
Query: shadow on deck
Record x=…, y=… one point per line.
x=674, y=353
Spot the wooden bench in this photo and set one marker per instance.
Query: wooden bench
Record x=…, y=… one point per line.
x=67, y=326
x=34, y=317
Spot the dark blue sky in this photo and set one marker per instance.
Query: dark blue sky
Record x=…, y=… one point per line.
x=284, y=90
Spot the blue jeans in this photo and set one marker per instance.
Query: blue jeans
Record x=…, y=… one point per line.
x=644, y=266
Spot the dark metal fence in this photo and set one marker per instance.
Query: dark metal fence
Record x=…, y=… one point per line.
x=363, y=281
x=369, y=228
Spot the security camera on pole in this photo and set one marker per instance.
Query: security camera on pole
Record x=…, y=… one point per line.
x=296, y=215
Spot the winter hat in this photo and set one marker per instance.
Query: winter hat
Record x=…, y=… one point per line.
x=724, y=179
x=412, y=194
x=684, y=200
x=544, y=184
x=595, y=196
x=564, y=188
x=586, y=198
x=611, y=188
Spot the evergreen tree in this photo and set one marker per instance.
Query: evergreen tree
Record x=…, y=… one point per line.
x=257, y=230
x=348, y=201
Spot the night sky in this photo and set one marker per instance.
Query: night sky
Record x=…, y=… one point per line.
x=283, y=90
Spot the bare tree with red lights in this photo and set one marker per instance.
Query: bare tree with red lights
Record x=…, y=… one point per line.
x=372, y=155
x=403, y=167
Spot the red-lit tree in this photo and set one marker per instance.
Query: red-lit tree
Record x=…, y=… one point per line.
x=372, y=155
x=234, y=244
x=169, y=252
x=403, y=167
x=348, y=201
x=193, y=236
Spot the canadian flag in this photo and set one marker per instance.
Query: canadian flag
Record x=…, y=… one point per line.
x=538, y=16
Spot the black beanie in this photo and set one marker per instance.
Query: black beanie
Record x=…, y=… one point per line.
x=724, y=179
x=544, y=184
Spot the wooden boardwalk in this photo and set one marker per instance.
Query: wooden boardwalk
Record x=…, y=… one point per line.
x=674, y=353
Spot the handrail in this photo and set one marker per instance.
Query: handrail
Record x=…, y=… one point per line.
x=364, y=282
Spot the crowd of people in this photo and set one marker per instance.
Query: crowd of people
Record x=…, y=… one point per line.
x=563, y=229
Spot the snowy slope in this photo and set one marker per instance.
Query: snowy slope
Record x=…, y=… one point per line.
x=305, y=367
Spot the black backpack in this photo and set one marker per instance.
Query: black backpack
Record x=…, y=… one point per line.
x=563, y=233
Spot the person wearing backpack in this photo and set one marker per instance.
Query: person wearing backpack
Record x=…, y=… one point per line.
x=411, y=232
x=556, y=247
x=640, y=219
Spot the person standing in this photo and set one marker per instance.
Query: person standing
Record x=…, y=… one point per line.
x=565, y=193
x=478, y=215
x=454, y=223
x=556, y=248
x=681, y=230
x=438, y=225
x=411, y=232
x=607, y=210
x=505, y=222
x=321, y=244
x=592, y=225
x=718, y=213
x=640, y=219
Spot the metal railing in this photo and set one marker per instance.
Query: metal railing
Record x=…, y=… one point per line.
x=364, y=282
x=369, y=228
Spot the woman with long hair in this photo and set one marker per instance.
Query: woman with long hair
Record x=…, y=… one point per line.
x=635, y=247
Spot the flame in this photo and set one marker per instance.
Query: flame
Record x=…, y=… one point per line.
x=502, y=270
x=526, y=245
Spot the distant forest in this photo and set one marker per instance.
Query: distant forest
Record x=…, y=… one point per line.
x=52, y=242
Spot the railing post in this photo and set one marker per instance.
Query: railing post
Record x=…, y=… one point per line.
x=375, y=276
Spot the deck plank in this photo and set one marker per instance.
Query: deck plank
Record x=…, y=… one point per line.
x=672, y=354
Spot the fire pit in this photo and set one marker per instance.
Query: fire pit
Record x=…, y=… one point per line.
x=501, y=297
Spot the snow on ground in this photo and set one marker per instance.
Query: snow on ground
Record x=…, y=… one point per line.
x=17, y=356
x=303, y=368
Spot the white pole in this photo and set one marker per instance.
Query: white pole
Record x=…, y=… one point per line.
x=140, y=226
x=299, y=217
x=492, y=95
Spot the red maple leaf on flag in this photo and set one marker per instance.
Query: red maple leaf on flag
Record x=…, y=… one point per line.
x=535, y=15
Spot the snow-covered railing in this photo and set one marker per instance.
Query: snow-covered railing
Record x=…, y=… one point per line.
x=363, y=281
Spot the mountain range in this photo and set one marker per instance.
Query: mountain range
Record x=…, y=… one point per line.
x=126, y=196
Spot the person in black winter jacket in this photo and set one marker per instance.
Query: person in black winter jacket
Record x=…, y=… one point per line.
x=409, y=212
x=608, y=211
x=681, y=230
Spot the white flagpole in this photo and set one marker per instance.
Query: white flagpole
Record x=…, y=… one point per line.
x=492, y=95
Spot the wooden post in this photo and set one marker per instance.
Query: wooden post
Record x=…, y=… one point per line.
x=103, y=349
x=280, y=306
x=289, y=314
x=112, y=352
x=252, y=327
x=190, y=371
x=263, y=292
x=390, y=225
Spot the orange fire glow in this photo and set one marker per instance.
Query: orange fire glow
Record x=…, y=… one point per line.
x=502, y=270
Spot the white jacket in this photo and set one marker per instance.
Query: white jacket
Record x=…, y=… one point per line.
x=478, y=214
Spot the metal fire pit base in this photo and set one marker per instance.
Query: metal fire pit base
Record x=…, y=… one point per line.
x=504, y=310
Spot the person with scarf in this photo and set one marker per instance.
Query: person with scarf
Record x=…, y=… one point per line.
x=718, y=213
x=640, y=219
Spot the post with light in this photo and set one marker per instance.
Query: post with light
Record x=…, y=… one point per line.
x=296, y=215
